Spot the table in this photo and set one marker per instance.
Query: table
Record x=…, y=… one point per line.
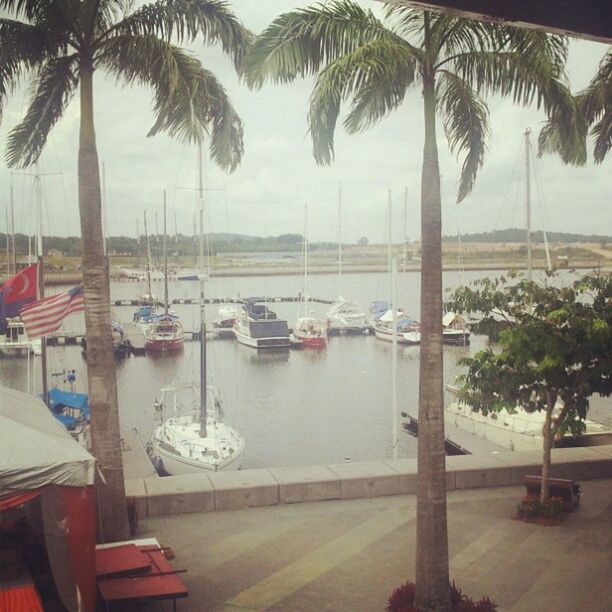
x=159, y=582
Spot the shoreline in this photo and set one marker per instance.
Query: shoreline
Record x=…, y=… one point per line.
x=237, y=272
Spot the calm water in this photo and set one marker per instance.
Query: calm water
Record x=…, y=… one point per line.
x=293, y=408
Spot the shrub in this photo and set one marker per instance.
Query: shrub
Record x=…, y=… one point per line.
x=532, y=508
x=402, y=600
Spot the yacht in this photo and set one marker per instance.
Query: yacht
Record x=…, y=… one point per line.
x=15, y=338
x=257, y=326
x=407, y=331
x=344, y=317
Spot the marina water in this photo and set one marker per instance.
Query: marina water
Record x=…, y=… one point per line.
x=298, y=407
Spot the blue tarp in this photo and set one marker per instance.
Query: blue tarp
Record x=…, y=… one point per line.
x=59, y=399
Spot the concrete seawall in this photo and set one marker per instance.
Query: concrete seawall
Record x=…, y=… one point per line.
x=267, y=487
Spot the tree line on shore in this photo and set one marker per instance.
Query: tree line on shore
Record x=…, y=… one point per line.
x=184, y=245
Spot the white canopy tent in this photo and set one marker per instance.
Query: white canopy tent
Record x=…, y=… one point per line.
x=39, y=459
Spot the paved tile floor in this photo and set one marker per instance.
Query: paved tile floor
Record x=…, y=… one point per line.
x=349, y=555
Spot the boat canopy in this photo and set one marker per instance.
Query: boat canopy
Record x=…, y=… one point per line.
x=379, y=307
x=259, y=311
x=387, y=317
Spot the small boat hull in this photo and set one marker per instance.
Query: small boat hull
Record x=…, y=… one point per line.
x=456, y=336
x=410, y=338
x=176, y=465
x=164, y=345
x=317, y=342
x=261, y=343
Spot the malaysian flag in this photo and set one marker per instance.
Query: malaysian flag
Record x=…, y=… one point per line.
x=47, y=315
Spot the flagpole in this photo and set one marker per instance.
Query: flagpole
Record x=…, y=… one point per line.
x=41, y=281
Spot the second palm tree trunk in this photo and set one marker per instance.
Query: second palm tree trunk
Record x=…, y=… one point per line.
x=432, y=580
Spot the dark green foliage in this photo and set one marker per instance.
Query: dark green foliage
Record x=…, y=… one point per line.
x=402, y=600
x=555, y=343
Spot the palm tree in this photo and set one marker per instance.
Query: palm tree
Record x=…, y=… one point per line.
x=373, y=63
x=58, y=45
x=594, y=114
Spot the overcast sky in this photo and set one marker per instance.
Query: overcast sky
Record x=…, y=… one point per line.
x=278, y=175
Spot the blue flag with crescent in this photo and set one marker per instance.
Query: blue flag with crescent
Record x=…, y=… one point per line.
x=16, y=292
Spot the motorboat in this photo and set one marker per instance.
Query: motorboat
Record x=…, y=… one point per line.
x=407, y=331
x=15, y=338
x=344, y=317
x=226, y=318
x=258, y=327
x=177, y=443
x=455, y=329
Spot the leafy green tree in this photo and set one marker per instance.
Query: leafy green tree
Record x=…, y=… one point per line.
x=58, y=45
x=555, y=352
x=594, y=117
x=373, y=64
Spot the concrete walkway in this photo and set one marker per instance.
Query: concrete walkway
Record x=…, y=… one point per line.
x=349, y=555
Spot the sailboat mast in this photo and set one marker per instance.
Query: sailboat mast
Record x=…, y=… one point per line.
x=339, y=234
x=389, y=233
x=305, y=259
x=394, y=429
x=41, y=279
x=148, y=268
x=203, y=373
x=12, y=217
x=165, y=262
x=528, y=201
x=405, y=241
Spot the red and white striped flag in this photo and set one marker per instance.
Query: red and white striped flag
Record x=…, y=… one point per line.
x=47, y=315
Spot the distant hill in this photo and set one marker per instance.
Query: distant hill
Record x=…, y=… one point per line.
x=515, y=234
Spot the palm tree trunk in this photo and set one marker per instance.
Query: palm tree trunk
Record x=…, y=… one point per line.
x=101, y=376
x=432, y=580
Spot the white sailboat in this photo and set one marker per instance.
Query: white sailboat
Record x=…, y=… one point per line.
x=344, y=316
x=308, y=330
x=194, y=439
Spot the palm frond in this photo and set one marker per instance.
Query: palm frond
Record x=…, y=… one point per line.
x=54, y=86
x=406, y=21
x=186, y=19
x=32, y=10
x=556, y=138
x=596, y=104
x=375, y=76
x=304, y=41
x=189, y=101
x=466, y=123
x=22, y=47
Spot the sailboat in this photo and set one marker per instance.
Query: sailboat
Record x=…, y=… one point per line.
x=344, y=316
x=309, y=331
x=165, y=332
x=147, y=303
x=195, y=439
